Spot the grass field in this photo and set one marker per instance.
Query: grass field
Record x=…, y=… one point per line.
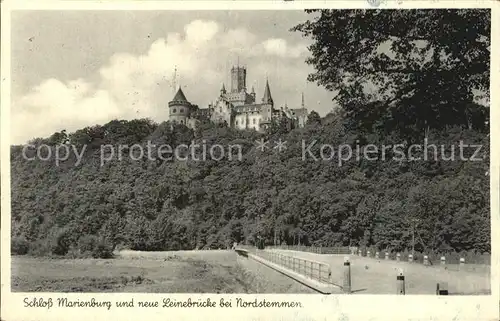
x=371, y=276
x=151, y=272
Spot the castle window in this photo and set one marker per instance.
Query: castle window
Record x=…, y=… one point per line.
x=236, y=122
x=182, y=110
x=182, y=122
x=174, y=110
x=254, y=121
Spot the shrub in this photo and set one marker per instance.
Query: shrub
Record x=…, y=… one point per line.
x=40, y=247
x=75, y=253
x=19, y=246
x=61, y=242
x=87, y=243
x=102, y=250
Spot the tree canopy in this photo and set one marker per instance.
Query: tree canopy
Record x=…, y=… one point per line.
x=409, y=69
x=157, y=204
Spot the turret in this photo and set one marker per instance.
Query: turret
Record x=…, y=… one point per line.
x=179, y=108
x=223, y=90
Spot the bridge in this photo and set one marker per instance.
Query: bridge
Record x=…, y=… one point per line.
x=345, y=270
x=313, y=274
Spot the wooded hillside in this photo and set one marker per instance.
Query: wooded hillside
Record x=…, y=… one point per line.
x=426, y=87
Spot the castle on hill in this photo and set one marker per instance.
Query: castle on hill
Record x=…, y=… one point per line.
x=237, y=108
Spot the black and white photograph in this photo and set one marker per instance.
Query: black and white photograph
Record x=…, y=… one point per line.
x=300, y=151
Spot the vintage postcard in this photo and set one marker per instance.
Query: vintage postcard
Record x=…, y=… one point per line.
x=250, y=160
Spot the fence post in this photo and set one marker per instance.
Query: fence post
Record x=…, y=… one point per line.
x=367, y=253
x=426, y=260
x=462, y=261
x=442, y=288
x=398, y=257
x=410, y=258
x=401, y=282
x=360, y=253
x=347, y=276
x=386, y=255
x=443, y=260
x=376, y=255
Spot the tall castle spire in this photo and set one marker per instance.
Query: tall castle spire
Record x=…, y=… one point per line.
x=267, y=99
x=302, y=104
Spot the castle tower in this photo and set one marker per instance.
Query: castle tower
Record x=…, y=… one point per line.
x=223, y=90
x=179, y=108
x=267, y=99
x=238, y=79
x=253, y=94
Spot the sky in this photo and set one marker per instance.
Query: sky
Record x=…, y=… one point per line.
x=72, y=69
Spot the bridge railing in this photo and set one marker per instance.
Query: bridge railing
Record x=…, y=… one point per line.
x=244, y=247
x=314, y=270
x=316, y=249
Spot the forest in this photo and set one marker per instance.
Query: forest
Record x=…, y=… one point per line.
x=427, y=88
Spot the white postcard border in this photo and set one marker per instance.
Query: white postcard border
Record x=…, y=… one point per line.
x=315, y=307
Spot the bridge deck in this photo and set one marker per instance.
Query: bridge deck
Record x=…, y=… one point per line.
x=371, y=276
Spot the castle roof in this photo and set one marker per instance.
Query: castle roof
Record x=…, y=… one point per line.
x=248, y=108
x=179, y=96
x=299, y=112
x=267, y=99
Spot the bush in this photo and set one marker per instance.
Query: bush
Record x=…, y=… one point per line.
x=40, y=247
x=61, y=242
x=75, y=253
x=102, y=250
x=87, y=243
x=19, y=246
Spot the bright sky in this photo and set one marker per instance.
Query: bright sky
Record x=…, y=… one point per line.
x=73, y=69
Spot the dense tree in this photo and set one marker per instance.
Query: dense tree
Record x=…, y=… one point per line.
x=313, y=118
x=269, y=196
x=405, y=70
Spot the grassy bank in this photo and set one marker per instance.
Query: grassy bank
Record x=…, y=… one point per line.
x=157, y=272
